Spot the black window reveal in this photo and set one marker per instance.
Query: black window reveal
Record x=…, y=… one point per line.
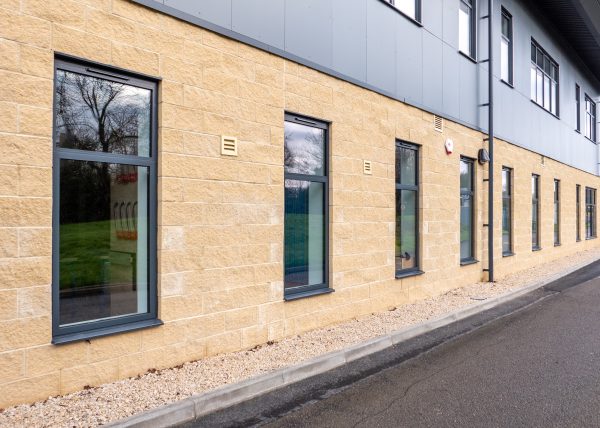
x=467, y=26
x=104, y=211
x=544, y=79
x=578, y=107
x=590, y=119
x=306, y=206
x=410, y=8
x=535, y=212
x=467, y=210
x=506, y=48
x=556, y=212
x=590, y=213
x=578, y=212
x=507, y=211
x=407, y=208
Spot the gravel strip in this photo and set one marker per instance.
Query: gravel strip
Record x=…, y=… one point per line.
x=118, y=400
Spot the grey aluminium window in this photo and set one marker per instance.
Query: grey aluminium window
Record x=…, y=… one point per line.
x=507, y=239
x=104, y=210
x=410, y=8
x=590, y=213
x=556, y=212
x=535, y=212
x=590, y=119
x=544, y=79
x=467, y=27
x=578, y=212
x=407, y=208
x=467, y=210
x=506, y=48
x=306, y=221
x=578, y=107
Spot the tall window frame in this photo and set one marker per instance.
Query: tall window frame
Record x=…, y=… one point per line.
x=467, y=28
x=507, y=227
x=294, y=288
x=407, y=194
x=590, y=213
x=506, y=47
x=577, y=212
x=556, y=212
x=409, y=8
x=535, y=212
x=578, y=108
x=467, y=210
x=62, y=155
x=544, y=80
x=590, y=119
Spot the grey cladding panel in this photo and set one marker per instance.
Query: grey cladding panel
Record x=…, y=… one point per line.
x=349, y=38
x=381, y=46
x=433, y=82
x=451, y=82
x=216, y=11
x=260, y=19
x=450, y=22
x=432, y=17
x=468, y=90
x=409, y=59
x=308, y=30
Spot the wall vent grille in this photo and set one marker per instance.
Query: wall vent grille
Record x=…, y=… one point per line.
x=367, y=168
x=229, y=146
x=438, y=123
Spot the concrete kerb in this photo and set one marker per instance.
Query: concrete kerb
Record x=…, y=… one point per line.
x=200, y=405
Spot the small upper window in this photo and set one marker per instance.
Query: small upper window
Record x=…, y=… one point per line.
x=506, y=48
x=544, y=79
x=466, y=27
x=411, y=8
x=578, y=107
x=590, y=119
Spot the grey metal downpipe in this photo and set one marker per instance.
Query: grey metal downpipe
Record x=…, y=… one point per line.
x=491, y=142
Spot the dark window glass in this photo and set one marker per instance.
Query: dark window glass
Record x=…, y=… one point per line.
x=104, y=208
x=535, y=211
x=590, y=213
x=506, y=48
x=544, y=80
x=578, y=107
x=556, y=212
x=466, y=209
x=578, y=212
x=407, y=194
x=590, y=119
x=305, y=229
x=506, y=211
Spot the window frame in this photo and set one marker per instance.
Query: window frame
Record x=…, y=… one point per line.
x=592, y=114
x=578, y=107
x=472, y=55
x=577, y=213
x=556, y=213
x=535, y=198
x=538, y=68
x=592, y=232
x=416, y=270
x=506, y=14
x=417, y=19
x=303, y=291
x=471, y=259
x=98, y=328
x=509, y=252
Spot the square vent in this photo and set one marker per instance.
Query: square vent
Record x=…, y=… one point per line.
x=367, y=167
x=438, y=123
x=229, y=146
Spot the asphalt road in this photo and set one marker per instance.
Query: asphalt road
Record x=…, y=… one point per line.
x=538, y=367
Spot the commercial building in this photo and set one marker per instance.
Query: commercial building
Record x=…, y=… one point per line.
x=181, y=179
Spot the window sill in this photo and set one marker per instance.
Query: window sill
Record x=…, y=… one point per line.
x=408, y=274
x=107, y=331
x=510, y=85
x=468, y=262
x=547, y=111
x=557, y=244
x=410, y=18
x=536, y=249
x=508, y=254
x=310, y=293
x=578, y=240
x=590, y=237
x=469, y=57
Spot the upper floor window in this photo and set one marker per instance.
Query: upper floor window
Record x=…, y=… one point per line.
x=466, y=27
x=544, y=79
x=590, y=119
x=578, y=107
x=411, y=8
x=506, y=48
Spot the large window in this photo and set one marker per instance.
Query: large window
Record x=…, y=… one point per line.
x=578, y=107
x=407, y=202
x=506, y=211
x=104, y=251
x=467, y=208
x=590, y=213
x=556, y=212
x=506, y=48
x=578, y=212
x=467, y=27
x=411, y=8
x=590, y=119
x=535, y=212
x=544, y=79
x=306, y=206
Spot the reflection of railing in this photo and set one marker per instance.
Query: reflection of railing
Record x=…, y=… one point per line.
x=125, y=220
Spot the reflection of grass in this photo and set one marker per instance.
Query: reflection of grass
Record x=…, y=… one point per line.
x=296, y=238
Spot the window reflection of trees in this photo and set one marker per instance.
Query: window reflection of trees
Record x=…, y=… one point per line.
x=303, y=150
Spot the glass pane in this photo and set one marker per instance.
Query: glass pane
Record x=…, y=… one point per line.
x=406, y=229
x=466, y=172
x=304, y=149
x=533, y=82
x=466, y=227
x=553, y=97
x=534, y=225
x=304, y=233
x=505, y=26
x=506, y=221
x=464, y=29
x=540, y=58
x=540, y=87
x=100, y=115
x=504, y=61
x=533, y=52
x=103, y=241
x=407, y=6
x=546, y=93
x=406, y=166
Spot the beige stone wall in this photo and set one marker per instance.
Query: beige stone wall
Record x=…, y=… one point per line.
x=220, y=218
